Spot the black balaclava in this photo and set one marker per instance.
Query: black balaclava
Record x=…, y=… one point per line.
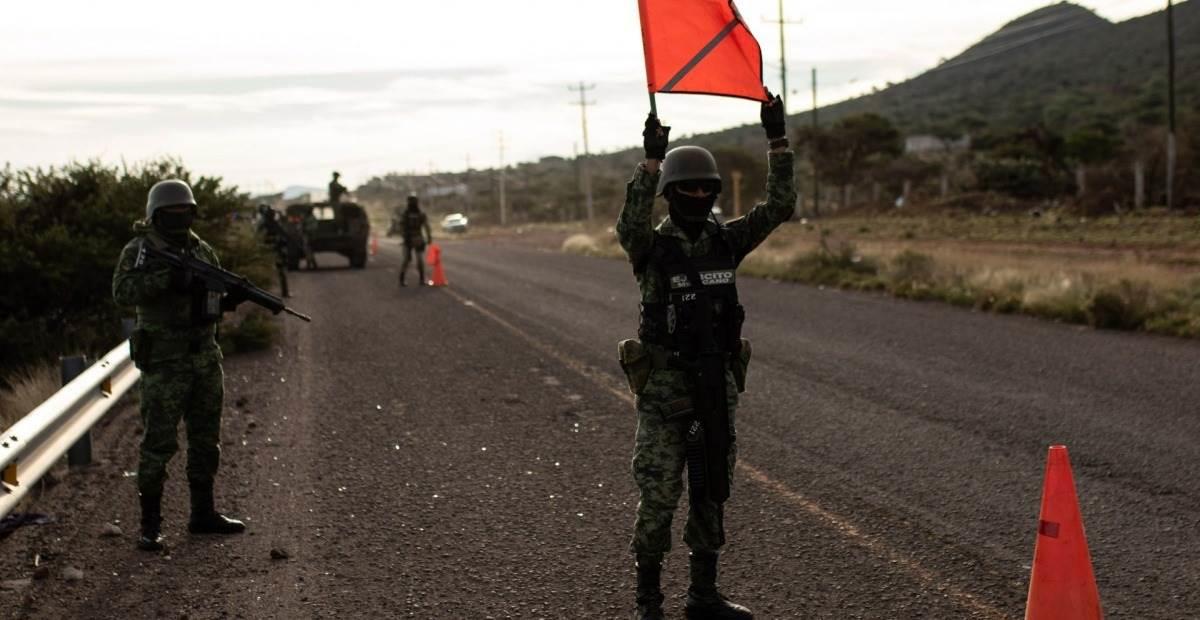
x=413, y=205
x=690, y=213
x=174, y=226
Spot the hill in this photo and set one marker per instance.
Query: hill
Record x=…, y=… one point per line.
x=1061, y=67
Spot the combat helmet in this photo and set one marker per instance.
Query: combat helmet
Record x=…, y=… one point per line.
x=688, y=163
x=169, y=193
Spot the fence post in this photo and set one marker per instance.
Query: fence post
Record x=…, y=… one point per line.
x=80, y=454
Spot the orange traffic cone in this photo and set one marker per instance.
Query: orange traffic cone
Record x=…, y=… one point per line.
x=1062, y=586
x=433, y=256
x=374, y=245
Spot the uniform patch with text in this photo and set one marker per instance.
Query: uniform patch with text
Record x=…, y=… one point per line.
x=709, y=278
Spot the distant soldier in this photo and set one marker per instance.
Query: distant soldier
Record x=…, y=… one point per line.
x=414, y=227
x=308, y=228
x=175, y=347
x=275, y=237
x=336, y=190
x=690, y=360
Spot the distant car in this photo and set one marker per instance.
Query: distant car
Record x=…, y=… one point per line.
x=455, y=223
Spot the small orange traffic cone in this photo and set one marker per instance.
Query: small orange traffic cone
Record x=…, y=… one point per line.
x=374, y=245
x=433, y=256
x=1062, y=586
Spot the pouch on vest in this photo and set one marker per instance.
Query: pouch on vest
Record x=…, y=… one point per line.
x=739, y=364
x=636, y=362
x=140, y=348
x=206, y=306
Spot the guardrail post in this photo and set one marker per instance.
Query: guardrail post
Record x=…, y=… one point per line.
x=79, y=454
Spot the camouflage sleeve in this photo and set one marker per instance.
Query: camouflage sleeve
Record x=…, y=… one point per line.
x=428, y=229
x=635, y=231
x=746, y=233
x=134, y=284
x=210, y=255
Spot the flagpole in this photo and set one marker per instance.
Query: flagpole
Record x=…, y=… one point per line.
x=653, y=104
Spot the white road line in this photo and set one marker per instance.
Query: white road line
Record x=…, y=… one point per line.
x=842, y=525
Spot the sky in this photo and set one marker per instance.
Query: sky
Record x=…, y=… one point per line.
x=270, y=93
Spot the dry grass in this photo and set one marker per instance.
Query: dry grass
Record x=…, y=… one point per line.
x=30, y=387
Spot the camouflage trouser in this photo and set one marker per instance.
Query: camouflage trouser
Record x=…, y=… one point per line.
x=409, y=251
x=172, y=391
x=659, y=457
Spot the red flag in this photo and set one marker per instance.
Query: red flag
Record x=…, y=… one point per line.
x=700, y=47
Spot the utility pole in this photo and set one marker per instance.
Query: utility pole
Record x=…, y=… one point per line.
x=737, y=192
x=813, y=152
x=467, y=189
x=587, y=172
x=578, y=183
x=1171, y=145
x=433, y=187
x=782, y=23
x=503, y=171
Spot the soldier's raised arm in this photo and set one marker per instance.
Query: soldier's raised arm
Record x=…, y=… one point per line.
x=746, y=233
x=635, y=231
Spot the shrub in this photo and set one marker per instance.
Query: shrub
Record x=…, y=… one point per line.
x=1179, y=313
x=1022, y=178
x=255, y=332
x=842, y=267
x=27, y=389
x=61, y=231
x=911, y=275
x=1121, y=306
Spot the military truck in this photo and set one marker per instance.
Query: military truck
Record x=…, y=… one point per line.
x=324, y=227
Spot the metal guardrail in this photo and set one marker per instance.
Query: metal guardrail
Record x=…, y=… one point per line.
x=37, y=441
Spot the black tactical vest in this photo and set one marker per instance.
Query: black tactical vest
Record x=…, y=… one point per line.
x=699, y=312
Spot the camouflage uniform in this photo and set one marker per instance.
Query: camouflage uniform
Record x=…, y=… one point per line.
x=180, y=364
x=414, y=227
x=659, y=448
x=275, y=237
x=336, y=191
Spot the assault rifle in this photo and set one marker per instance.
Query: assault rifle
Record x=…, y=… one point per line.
x=219, y=280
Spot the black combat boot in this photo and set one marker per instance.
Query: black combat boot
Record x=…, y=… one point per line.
x=402, y=279
x=703, y=600
x=205, y=519
x=151, y=537
x=421, y=275
x=649, y=592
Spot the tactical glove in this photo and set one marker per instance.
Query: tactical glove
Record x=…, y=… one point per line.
x=654, y=138
x=774, y=118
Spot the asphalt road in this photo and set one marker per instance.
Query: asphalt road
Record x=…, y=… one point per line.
x=464, y=453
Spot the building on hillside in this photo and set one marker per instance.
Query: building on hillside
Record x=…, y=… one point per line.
x=932, y=146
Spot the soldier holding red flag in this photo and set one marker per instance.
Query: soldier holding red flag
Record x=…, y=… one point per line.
x=689, y=361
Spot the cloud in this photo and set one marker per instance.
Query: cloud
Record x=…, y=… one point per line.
x=242, y=85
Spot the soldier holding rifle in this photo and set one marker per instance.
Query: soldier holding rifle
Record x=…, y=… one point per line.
x=174, y=280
